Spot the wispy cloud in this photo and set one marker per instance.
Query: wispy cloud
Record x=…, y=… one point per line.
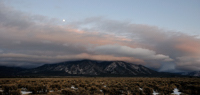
x=140, y=53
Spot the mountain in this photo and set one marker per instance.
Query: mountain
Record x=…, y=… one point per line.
x=85, y=68
x=91, y=68
x=10, y=71
x=194, y=73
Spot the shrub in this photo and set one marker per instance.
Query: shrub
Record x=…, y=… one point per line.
x=8, y=88
x=15, y=92
x=68, y=92
x=58, y=86
x=147, y=90
x=34, y=89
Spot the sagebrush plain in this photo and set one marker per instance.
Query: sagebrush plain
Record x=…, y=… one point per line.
x=99, y=86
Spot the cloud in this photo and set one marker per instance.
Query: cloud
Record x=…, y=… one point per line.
x=126, y=51
x=188, y=63
x=25, y=60
x=31, y=40
x=1, y=50
x=168, y=67
x=188, y=44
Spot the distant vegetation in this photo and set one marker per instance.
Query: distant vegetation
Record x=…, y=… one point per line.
x=99, y=86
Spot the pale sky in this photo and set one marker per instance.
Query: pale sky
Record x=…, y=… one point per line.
x=162, y=35
x=178, y=15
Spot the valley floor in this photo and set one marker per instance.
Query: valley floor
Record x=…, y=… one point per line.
x=100, y=86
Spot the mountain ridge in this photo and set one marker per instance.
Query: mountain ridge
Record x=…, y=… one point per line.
x=92, y=68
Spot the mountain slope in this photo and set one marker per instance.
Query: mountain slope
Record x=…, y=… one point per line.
x=194, y=73
x=91, y=68
x=10, y=71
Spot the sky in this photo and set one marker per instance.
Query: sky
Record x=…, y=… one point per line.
x=161, y=35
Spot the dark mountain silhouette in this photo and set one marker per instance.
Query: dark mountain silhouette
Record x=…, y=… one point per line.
x=10, y=71
x=88, y=68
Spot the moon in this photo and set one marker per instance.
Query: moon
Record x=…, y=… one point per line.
x=63, y=20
